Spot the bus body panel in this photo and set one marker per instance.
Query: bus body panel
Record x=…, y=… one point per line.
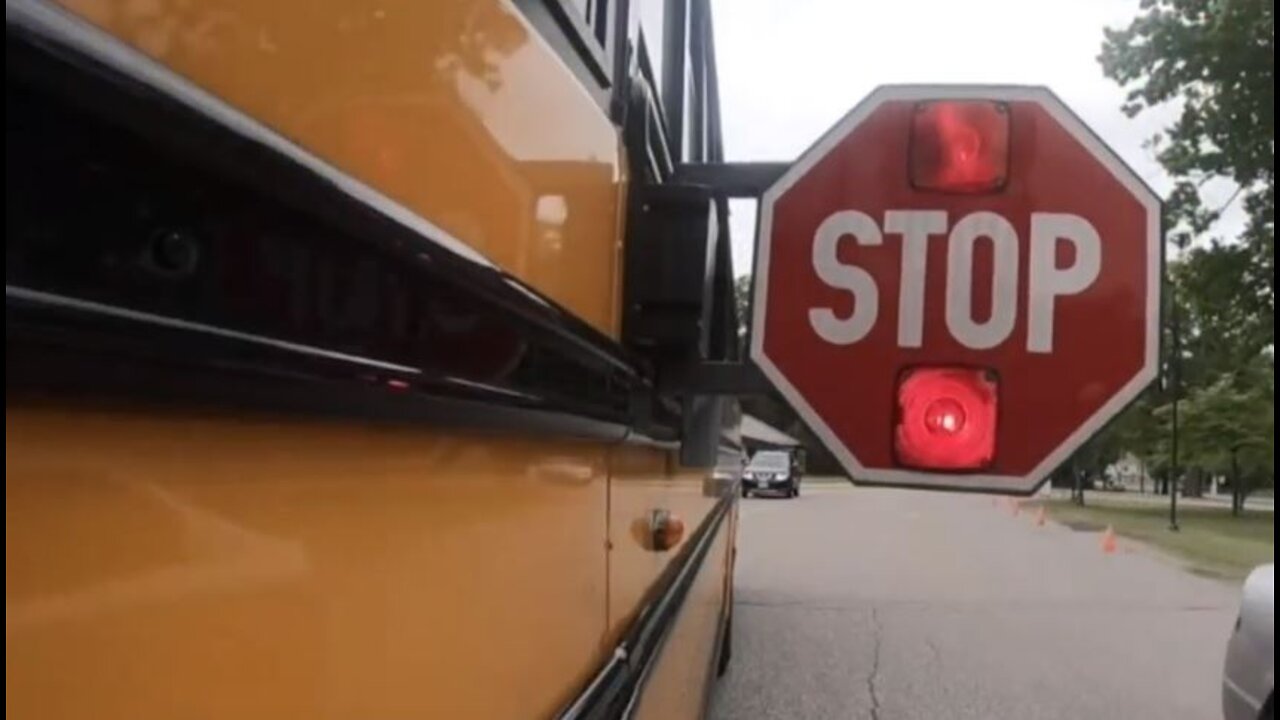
x=679, y=686
x=642, y=480
x=188, y=565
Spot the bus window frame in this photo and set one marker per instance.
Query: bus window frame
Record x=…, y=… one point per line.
x=587, y=46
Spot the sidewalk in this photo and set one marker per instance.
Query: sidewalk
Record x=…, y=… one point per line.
x=1132, y=498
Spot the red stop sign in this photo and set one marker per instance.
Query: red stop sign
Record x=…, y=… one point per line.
x=979, y=240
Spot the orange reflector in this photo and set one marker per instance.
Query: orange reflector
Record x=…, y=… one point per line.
x=960, y=146
x=946, y=418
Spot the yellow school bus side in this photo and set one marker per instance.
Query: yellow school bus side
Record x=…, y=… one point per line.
x=189, y=560
x=199, y=565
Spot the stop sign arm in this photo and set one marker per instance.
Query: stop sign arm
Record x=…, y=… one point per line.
x=728, y=180
x=732, y=180
x=725, y=378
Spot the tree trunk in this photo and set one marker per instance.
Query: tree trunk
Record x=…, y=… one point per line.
x=1237, y=497
x=1244, y=494
x=1194, y=487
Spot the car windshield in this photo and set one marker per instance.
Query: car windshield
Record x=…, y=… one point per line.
x=770, y=460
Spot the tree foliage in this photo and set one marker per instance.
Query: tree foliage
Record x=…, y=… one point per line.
x=1225, y=388
x=1229, y=424
x=742, y=296
x=1214, y=60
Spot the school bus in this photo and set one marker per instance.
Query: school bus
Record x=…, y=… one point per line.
x=349, y=359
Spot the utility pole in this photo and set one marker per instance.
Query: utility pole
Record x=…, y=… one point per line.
x=1175, y=386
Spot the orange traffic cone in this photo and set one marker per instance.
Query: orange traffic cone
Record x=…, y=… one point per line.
x=1040, y=517
x=1109, y=540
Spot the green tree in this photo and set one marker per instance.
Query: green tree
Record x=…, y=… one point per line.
x=1140, y=432
x=1230, y=428
x=1218, y=317
x=1217, y=59
x=1214, y=60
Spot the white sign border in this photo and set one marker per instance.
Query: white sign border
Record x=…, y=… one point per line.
x=1093, y=144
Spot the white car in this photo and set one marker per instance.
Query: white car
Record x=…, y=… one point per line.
x=1248, y=680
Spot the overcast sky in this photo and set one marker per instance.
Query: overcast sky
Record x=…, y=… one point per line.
x=790, y=68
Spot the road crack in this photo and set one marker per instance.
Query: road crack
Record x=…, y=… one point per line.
x=874, y=676
x=935, y=653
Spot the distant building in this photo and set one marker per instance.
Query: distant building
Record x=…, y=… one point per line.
x=1129, y=471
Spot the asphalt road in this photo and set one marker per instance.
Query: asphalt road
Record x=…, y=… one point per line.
x=892, y=605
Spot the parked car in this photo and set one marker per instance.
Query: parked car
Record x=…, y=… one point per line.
x=1248, y=680
x=771, y=471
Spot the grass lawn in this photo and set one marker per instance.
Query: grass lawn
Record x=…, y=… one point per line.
x=1211, y=541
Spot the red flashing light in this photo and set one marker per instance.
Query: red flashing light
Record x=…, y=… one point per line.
x=960, y=146
x=946, y=418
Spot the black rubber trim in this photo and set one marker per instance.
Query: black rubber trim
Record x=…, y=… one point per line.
x=56, y=354
x=615, y=690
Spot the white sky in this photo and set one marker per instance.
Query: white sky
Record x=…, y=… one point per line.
x=790, y=68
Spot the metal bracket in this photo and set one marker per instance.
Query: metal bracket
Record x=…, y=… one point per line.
x=725, y=378
x=732, y=180
x=670, y=264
